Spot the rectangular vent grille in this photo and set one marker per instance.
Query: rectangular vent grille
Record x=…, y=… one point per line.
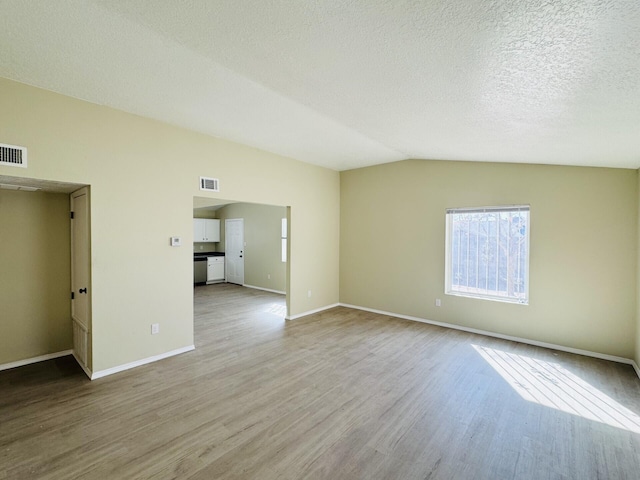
x=209, y=184
x=13, y=156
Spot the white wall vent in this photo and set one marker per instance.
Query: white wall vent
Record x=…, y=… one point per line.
x=209, y=184
x=13, y=156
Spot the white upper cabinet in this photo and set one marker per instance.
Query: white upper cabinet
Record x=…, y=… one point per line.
x=198, y=230
x=212, y=230
x=206, y=230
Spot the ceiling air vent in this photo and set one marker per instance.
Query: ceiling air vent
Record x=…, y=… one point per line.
x=13, y=156
x=209, y=184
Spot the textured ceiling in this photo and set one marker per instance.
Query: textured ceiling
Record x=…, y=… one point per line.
x=349, y=83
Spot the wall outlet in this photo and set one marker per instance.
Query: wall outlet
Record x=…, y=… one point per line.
x=438, y=302
x=268, y=276
x=201, y=247
x=155, y=328
x=308, y=293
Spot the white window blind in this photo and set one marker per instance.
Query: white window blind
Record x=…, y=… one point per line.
x=487, y=253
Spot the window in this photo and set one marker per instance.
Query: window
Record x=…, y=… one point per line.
x=487, y=253
x=283, y=253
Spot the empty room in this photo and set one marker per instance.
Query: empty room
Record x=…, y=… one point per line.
x=319, y=240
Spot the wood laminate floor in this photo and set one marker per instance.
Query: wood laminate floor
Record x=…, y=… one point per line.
x=342, y=394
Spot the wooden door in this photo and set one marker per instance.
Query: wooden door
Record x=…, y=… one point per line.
x=80, y=275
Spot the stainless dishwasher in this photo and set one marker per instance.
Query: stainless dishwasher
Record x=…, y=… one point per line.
x=199, y=270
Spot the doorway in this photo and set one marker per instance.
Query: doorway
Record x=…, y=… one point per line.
x=258, y=247
x=37, y=266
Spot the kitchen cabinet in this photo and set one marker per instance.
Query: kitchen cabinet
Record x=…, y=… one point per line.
x=215, y=269
x=206, y=230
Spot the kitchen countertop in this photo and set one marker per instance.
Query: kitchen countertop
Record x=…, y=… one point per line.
x=208, y=254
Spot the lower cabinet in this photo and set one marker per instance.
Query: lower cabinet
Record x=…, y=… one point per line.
x=215, y=269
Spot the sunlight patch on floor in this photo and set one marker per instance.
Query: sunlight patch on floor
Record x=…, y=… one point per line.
x=277, y=309
x=552, y=385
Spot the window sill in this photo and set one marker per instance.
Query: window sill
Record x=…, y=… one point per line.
x=492, y=299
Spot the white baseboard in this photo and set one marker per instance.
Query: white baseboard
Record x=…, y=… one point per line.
x=137, y=363
x=635, y=367
x=527, y=341
x=311, y=312
x=40, y=358
x=265, y=289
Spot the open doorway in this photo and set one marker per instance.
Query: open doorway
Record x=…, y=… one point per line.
x=36, y=259
x=255, y=245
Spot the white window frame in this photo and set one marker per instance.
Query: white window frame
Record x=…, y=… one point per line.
x=449, y=288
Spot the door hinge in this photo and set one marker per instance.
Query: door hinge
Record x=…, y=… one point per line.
x=71, y=215
x=73, y=296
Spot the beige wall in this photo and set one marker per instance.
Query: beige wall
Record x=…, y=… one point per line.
x=637, y=333
x=583, y=252
x=35, y=274
x=205, y=247
x=138, y=165
x=262, y=235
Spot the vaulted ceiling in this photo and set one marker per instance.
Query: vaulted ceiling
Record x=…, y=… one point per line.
x=350, y=83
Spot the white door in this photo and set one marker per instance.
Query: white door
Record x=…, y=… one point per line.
x=80, y=275
x=234, y=250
